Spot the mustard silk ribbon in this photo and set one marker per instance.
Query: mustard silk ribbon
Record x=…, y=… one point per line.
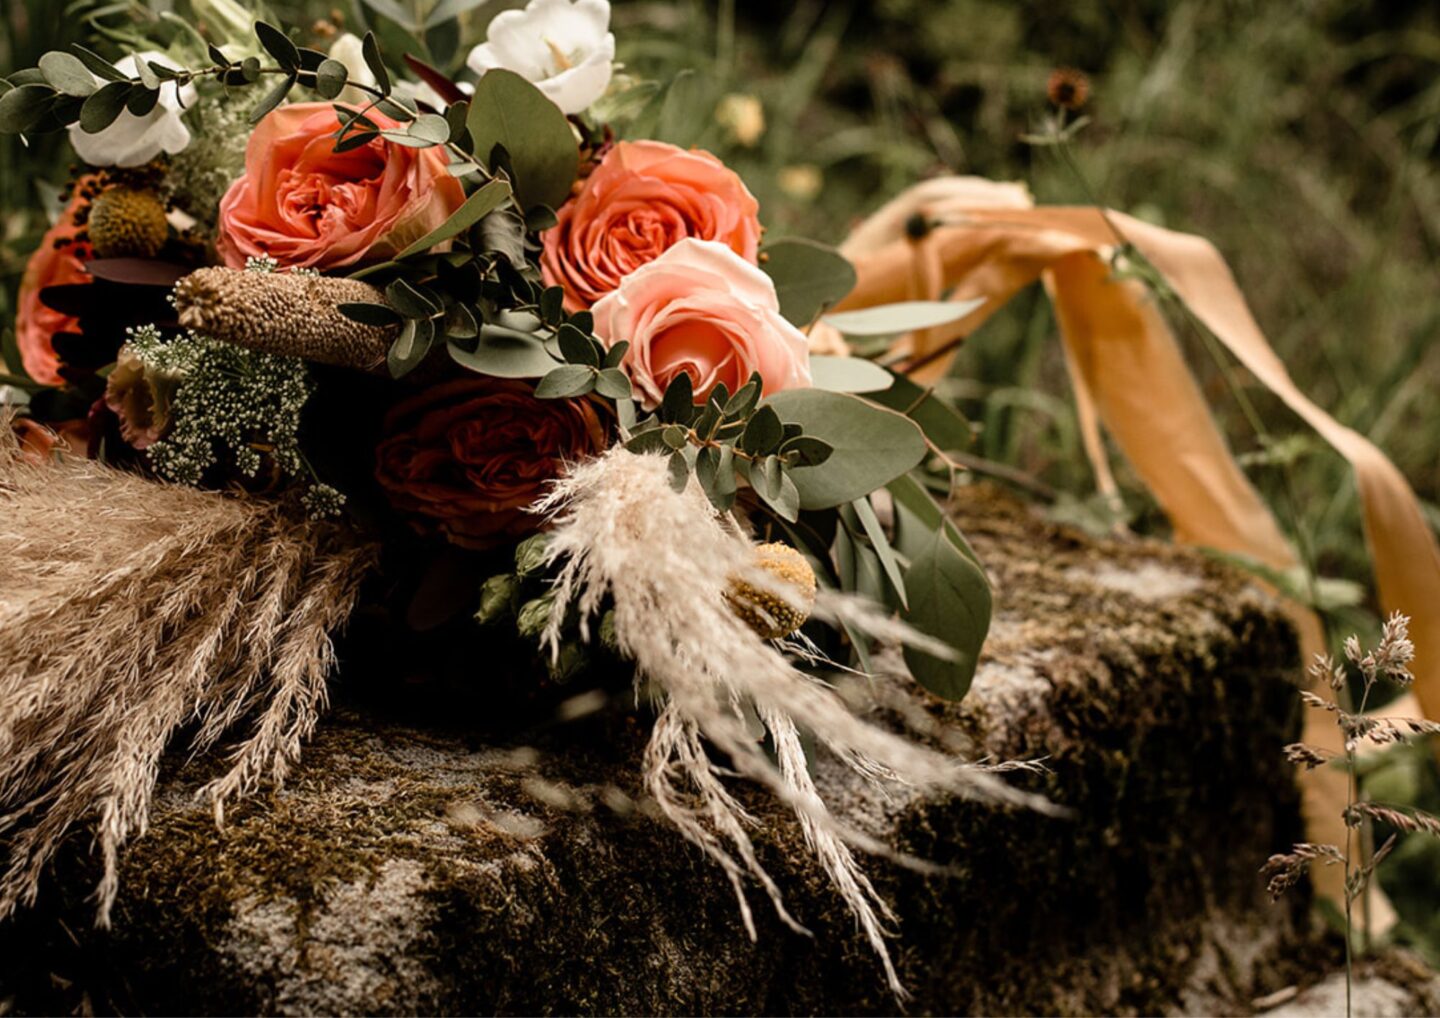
x=1130, y=374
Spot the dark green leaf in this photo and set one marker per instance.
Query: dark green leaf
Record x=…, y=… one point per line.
x=944, y=425
x=380, y=315
x=763, y=433
x=744, y=400
x=566, y=382
x=455, y=115
x=576, y=347
x=786, y=500
x=410, y=348
x=250, y=69
x=678, y=403
x=552, y=304
x=765, y=476
x=272, y=99
x=504, y=354
x=103, y=106
x=97, y=64
x=848, y=374
x=872, y=445
x=806, y=451
x=407, y=140
x=502, y=232
x=22, y=108
x=357, y=140
x=278, y=45
x=460, y=323
x=66, y=72
x=330, y=78
x=679, y=471
x=507, y=110
x=865, y=513
x=476, y=207
x=142, y=100
x=616, y=353
x=675, y=436
x=411, y=301
x=370, y=50
x=950, y=601
x=612, y=383
x=647, y=442
x=809, y=278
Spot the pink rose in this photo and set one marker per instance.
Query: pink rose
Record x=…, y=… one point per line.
x=643, y=198
x=701, y=309
x=308, y=206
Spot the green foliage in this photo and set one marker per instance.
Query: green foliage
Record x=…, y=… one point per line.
x=809, y=277
x=509, y=112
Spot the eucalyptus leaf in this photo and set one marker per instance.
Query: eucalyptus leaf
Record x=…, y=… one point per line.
x=848, y=374
x=410, y=348
x=678, y=403
x=104, y=106
x=576, y=347
x=950, y=601
x=67, y=74
x=380, y=315
x=142, y=100
x=476, y=207
x=679, y=471
x=97, y=64
x=272, y=99
x=370, y=52
x=905, y=316
x=809, y=277
x=872, y=446
x=612, y=383
x=431, y=127
x=616, y=354
x=504, y=354
x=566, y=382
x=763, y=432
x=502, y=231
x=507, y=110
x=865, y=513
x=22, y=108
x=330, y=78
x=278, y=45
x=944, y=425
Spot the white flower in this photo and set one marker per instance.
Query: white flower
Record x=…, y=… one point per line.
x=565, y=48
x=132, y=140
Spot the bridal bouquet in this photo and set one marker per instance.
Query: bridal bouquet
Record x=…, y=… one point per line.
x=312, y=316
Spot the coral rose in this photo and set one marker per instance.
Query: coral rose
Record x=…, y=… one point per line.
x=308, y=206
x=469, y=457
x=701, y=309
x=56, y=262
x=643, y=199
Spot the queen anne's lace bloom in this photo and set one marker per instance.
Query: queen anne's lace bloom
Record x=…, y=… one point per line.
x=563, y=46
x=132, y=140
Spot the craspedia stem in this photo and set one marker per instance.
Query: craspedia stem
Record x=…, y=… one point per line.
x=292, y=314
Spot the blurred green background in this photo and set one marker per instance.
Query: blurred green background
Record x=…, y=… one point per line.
x=1301, y=137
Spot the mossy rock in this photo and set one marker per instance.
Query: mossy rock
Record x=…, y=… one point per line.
x=413, y=869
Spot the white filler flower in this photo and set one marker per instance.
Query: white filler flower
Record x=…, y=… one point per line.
x=132, y=140
x=565, y=48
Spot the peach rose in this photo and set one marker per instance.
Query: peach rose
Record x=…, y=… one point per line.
x=308, y=206
x=56, y=262
x=470, y=457
x=702, y=309
x=644, y=198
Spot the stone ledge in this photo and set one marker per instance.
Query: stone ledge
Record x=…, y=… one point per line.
x=408, y=870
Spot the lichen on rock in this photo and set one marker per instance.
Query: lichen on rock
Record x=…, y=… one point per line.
x=413, y=868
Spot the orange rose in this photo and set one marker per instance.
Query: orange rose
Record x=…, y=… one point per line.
x=469, y=457
x=644, y=198
x=308, y=206
x=54, y=263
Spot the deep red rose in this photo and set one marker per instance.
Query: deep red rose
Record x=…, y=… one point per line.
x=469, y=457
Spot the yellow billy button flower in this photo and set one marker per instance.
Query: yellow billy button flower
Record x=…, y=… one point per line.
x=770, y=615
x=127, y=223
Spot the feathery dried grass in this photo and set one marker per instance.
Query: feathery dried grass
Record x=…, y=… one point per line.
x=667, y=559
x=127, y=609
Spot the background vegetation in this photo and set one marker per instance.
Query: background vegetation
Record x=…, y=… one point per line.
x=1301, y=137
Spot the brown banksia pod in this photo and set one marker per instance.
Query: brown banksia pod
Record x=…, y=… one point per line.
x=765, y=611
x=127, y=222
x=287, y=313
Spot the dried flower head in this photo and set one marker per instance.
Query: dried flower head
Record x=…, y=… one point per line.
x=287, y=313
x=1396, y=651
x=1284, y=870
x=1309, y=757
x=127, y=222
x=1068, y=89
x=1324, y=669
x=775, y=614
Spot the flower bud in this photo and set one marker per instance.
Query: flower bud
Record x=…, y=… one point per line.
x=535, y=616
x=497, y=598
x=530, y=555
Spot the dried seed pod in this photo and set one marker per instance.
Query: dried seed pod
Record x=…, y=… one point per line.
x=288, y=313
x=765, y=611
